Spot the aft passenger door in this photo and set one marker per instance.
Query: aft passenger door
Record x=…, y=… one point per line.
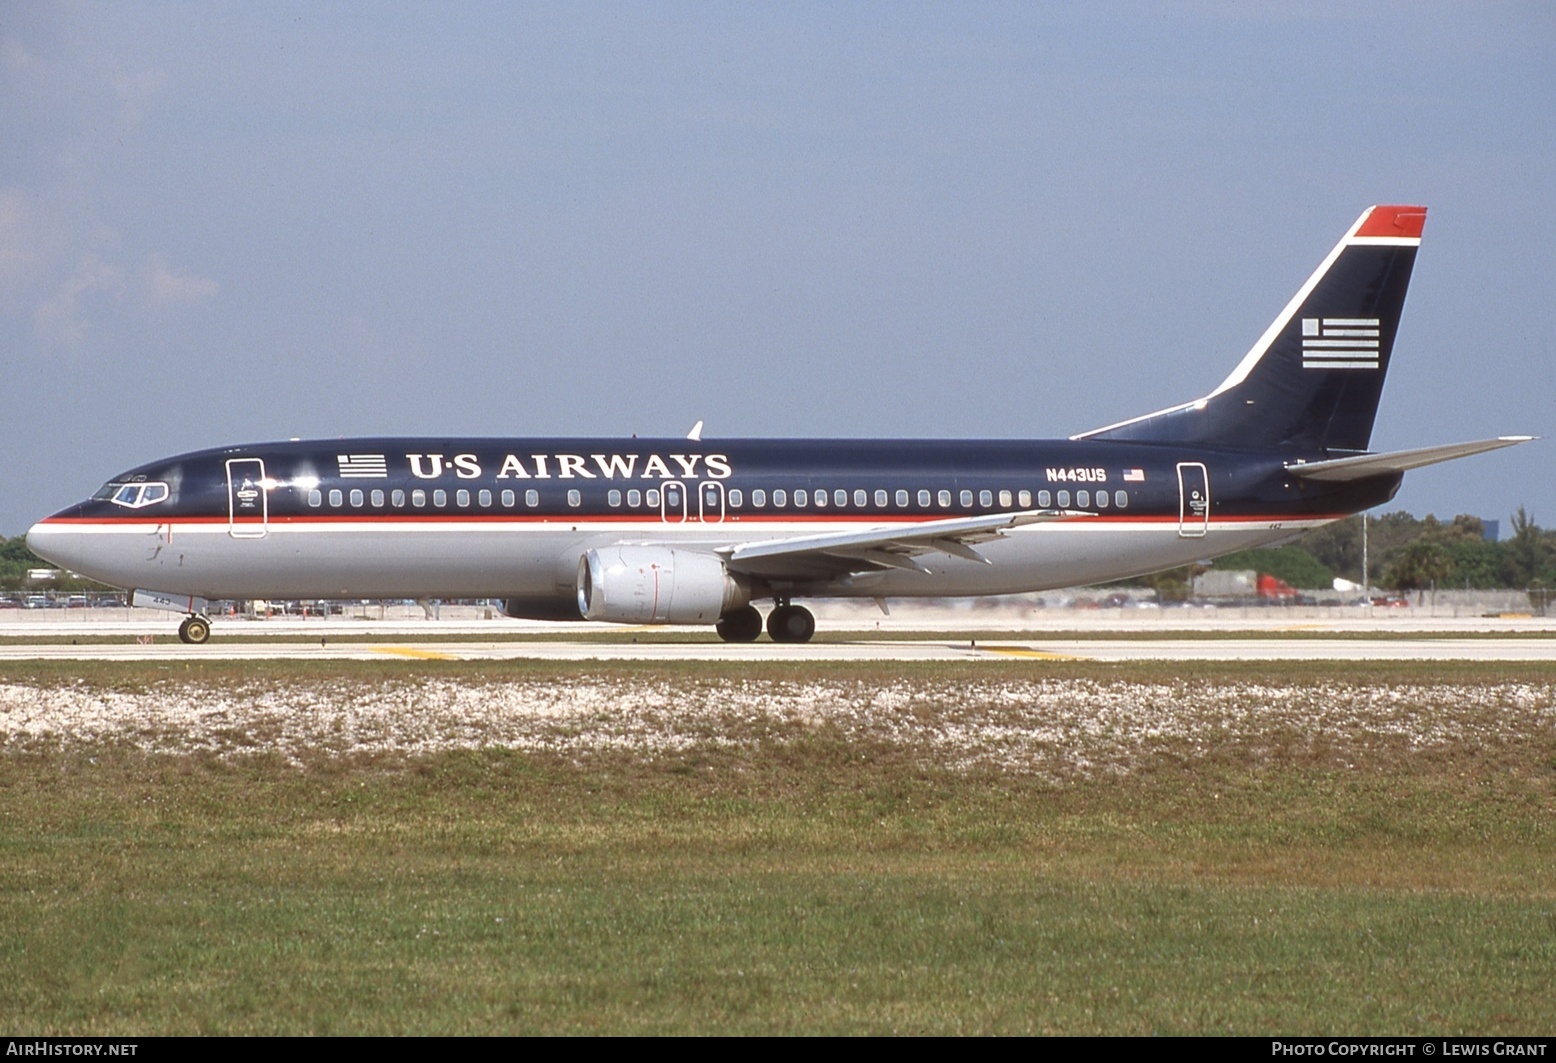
x=248, y=499
x=1193, y=499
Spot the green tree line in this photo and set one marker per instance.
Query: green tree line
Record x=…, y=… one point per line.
x=1405, y=553
x=1408, y=554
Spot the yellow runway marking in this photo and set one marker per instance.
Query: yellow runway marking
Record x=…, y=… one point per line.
x=408, y=651
x=1041, y=655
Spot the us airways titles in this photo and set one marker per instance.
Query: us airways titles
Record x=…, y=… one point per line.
x=428, y=466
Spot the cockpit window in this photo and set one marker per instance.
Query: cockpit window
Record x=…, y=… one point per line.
x=133, y=496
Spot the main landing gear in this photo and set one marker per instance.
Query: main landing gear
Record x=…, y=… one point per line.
x=790, y=623
x=743, y=625
x=786, y=623
x=195, y=630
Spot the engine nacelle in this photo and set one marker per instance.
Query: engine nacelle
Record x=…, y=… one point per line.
x=656, y=585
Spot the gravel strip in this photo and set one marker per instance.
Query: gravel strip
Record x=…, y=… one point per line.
x=1056, y=728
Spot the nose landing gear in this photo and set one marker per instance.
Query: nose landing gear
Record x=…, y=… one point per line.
x=195, y=630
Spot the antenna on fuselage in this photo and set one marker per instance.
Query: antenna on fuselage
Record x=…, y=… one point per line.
x=695, y=435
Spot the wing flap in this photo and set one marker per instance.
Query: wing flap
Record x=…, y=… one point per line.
x=892, y=546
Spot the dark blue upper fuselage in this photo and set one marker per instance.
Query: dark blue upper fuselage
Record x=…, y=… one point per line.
x=591, y=477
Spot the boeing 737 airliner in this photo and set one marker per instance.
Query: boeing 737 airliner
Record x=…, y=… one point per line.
x=685, y=531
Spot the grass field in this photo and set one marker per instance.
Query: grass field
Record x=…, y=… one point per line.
x=1064, y=847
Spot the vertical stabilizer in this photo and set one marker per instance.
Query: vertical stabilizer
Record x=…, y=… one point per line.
x=1314, y=378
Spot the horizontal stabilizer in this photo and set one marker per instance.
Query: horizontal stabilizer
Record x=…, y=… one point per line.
x=1362, y=466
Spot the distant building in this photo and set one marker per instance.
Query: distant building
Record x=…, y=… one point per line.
x=1493, y=530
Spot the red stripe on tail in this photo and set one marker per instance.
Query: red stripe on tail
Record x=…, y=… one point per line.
x=1394, y=221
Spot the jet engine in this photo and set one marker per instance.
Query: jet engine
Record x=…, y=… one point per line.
x=656, y=585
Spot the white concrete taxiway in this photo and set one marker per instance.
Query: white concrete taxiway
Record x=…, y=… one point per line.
x=959, y=634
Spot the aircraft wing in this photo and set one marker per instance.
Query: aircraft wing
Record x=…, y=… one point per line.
x=897, y=546
x=1362, y=466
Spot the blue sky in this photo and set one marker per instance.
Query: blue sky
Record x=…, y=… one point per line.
x=235, y=222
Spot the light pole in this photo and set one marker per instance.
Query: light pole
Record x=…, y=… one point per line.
x=1366, y=585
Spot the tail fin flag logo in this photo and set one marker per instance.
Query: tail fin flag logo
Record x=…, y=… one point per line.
x=1339, y=343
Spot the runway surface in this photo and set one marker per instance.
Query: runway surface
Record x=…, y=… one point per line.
x=949, y=649
x=922, y=633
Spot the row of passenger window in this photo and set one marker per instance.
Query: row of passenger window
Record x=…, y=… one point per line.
x=760, y=499
x=418, y=498
x=861, y=498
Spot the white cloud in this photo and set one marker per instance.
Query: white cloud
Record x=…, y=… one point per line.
x=99, y=290
x=16, y=256
x=63, y=320
x=163, y=288
x=64, y=258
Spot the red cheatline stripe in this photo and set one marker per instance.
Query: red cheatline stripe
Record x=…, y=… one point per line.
x=1394, y=221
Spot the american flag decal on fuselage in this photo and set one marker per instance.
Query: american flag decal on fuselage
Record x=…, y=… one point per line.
x=1339, y=343
x=362, y=466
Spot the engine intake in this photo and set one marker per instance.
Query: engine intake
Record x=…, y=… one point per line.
x=656, y=585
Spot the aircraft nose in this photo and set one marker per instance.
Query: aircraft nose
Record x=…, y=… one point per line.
x=55, y=543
